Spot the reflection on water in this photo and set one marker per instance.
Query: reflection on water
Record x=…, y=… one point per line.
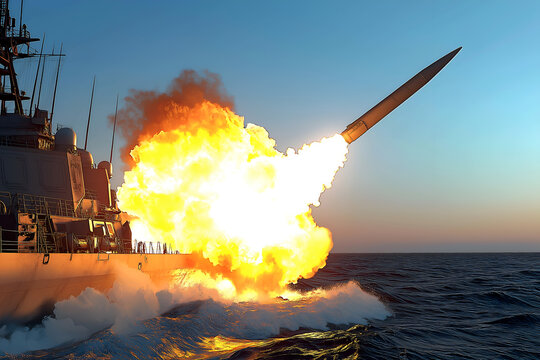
x=425, y=306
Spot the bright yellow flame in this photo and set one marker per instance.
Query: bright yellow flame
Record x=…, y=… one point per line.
x=223, y=192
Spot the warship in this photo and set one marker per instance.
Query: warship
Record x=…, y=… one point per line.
x=61, y=230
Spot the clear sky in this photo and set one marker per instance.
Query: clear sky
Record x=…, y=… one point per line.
x=455, y=168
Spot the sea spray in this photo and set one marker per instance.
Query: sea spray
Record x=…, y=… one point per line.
x=134, y=298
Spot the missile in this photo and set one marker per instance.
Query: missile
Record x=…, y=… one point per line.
x=365, y=122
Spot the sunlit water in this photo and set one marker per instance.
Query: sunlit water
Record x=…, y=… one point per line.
x=389, y=306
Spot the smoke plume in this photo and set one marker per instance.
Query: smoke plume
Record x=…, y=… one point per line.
x=147, y=113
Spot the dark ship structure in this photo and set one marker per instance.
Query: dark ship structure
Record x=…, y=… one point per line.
x=60, y=228
x=53, y=199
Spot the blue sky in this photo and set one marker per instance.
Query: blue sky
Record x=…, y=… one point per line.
x=455, y=168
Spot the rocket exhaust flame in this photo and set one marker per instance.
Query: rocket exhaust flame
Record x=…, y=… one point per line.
x=222, y=191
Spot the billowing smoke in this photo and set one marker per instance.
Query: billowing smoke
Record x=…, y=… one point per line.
x=146, y=113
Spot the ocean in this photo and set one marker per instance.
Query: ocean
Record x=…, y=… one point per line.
x=360, y=306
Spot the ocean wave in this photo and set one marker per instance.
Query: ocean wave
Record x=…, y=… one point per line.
x=517, y=320
x=132, y=302
x=501, y=297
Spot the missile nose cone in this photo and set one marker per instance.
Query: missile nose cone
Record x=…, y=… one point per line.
x=433, y=69
x=456, y=51
x=451, y=54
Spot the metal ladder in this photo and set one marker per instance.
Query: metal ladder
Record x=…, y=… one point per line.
x=45, y=235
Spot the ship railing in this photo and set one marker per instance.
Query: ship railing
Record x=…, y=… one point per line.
x=7, y=245
x=50, y=243
x=41, y=205
x=149, y=247
x=23, y=32
x=37, y=204
x=41, y=244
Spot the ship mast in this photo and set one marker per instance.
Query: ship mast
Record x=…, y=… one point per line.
x=10, y=39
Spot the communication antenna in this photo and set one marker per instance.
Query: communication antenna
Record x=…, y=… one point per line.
x=20, y=20
x=114, y=128
x=37, y=74
x=41, y=81
x=89, y=112
x=56, y=81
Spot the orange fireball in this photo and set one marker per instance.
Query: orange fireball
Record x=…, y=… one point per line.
x=218, y=189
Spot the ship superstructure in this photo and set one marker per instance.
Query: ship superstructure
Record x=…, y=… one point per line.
x=60, y=228
x=53, y=199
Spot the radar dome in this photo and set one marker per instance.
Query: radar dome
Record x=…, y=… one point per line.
x=65, y=139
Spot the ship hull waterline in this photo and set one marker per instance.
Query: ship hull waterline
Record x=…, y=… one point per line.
x=30, y=284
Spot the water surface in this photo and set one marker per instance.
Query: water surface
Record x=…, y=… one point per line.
x=380, y=306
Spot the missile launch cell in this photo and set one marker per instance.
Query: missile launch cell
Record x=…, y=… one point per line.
x=392, y=101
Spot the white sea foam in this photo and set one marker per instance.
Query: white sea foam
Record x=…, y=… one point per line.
x=343, y=304
x=133, y=298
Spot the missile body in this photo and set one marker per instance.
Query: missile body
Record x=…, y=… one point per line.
x=392, y=101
